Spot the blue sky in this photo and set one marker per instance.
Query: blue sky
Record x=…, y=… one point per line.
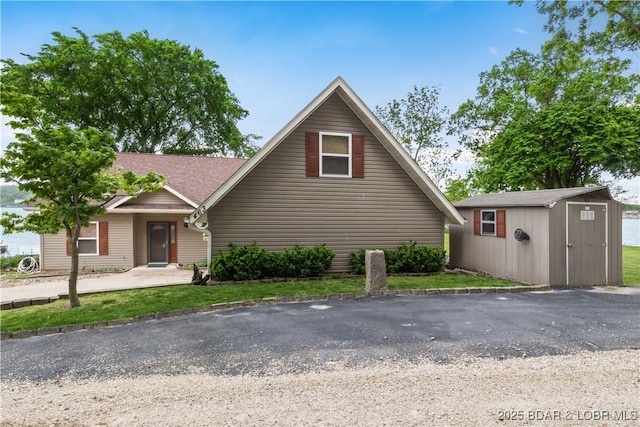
x=277, y=56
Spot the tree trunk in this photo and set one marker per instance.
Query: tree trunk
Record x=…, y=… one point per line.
x=73, y=273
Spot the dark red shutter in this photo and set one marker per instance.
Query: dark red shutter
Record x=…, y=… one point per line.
x=103, y=233
x=501, y=225
x=476, y=222
x=68, y=244
x=357, y=156
x=313, y=153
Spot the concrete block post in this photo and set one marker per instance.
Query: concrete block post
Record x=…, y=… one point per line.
x=376, y=271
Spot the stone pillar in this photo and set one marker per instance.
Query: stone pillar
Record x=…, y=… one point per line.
x=376, y=271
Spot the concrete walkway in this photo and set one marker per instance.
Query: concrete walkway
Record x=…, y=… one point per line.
x=138, y=277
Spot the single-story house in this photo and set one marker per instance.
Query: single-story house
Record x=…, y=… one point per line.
x=147, y=229
x=560, y=237
x=333, y=175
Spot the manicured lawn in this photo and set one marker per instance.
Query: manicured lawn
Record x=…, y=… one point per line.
x=139, y=302
x=631, y=265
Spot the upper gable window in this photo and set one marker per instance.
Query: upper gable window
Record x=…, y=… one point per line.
x=335, y=154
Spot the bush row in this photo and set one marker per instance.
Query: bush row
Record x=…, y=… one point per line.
x=254, y=262
x=407, y=258
x=12, y=262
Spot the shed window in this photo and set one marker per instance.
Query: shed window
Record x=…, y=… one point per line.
x=490, y=222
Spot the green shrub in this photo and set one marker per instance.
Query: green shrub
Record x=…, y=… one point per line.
x=242, y=263
x=253, y=262
x=407, y=258
x=303, y=262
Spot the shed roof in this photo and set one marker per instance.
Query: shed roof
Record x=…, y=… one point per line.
x=191, y=178
x=530, y=198
x=340, y=87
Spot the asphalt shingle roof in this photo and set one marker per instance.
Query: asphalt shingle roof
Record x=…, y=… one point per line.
x=195, y=177
x=528, y=198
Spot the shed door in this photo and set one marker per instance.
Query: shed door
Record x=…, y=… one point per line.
x=586, y=244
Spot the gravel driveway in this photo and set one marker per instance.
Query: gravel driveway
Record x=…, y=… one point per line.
x=558, y=358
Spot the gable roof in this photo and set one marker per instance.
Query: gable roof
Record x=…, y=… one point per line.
x=529, y=198
x=339, y=87
x=190, y=178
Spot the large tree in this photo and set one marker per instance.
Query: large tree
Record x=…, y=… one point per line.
x=418, y=122
x=151, y=95
x=554, y=119
x=67, y=172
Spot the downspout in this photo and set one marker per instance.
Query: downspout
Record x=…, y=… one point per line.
x=202, y=227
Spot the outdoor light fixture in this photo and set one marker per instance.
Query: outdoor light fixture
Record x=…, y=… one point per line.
x=520, y=235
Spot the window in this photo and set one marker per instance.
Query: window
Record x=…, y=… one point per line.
x=88, y=240
x=335, y=154
x=488, y=223
x=93, y=240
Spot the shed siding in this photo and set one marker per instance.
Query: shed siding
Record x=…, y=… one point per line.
x=120, y=248
x=525, y=261
x=278, y=206
x=191, y=247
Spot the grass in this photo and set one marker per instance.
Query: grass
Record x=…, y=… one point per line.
x=631, y=265
x=129, y=304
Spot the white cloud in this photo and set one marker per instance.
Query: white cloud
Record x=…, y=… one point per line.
x=520, y=31
x=493, y=50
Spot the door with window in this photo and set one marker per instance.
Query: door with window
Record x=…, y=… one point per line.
x=158, y=233
x=586, y=243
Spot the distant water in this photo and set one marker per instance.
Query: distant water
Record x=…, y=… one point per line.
x=631, y=231
x=20, y=243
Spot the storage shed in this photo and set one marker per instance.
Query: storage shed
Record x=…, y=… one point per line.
x=560, y=237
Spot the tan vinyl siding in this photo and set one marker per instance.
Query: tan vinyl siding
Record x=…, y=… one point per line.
x=158, y=197
x=277, y=206
x=191, y=247
x=120, y=250
x=525, y=261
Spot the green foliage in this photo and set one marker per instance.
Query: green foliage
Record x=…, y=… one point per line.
x=66, y=172
x=559, y=118
x=150, y=95
x=242, y=263
x=460, y=189
x=254, y=262
x=621, y=19
x=406, y=258
x=302, y=261
x=417, y=122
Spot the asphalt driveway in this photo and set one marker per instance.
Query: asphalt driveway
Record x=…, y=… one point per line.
x=299, y=337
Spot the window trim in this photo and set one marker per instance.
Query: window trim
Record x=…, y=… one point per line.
x=348, y=156
x=97, y=240
x=494, y=222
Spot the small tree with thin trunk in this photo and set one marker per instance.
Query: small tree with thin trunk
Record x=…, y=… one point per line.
x=66, y=171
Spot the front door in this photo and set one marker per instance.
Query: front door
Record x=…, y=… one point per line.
x=158, y=233
x=586, y=244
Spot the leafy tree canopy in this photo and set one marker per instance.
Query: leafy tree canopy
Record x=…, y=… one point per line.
x=67, y=173
x=418, y=122
x=150, y=95
x=554, y=119
x=606, y=26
